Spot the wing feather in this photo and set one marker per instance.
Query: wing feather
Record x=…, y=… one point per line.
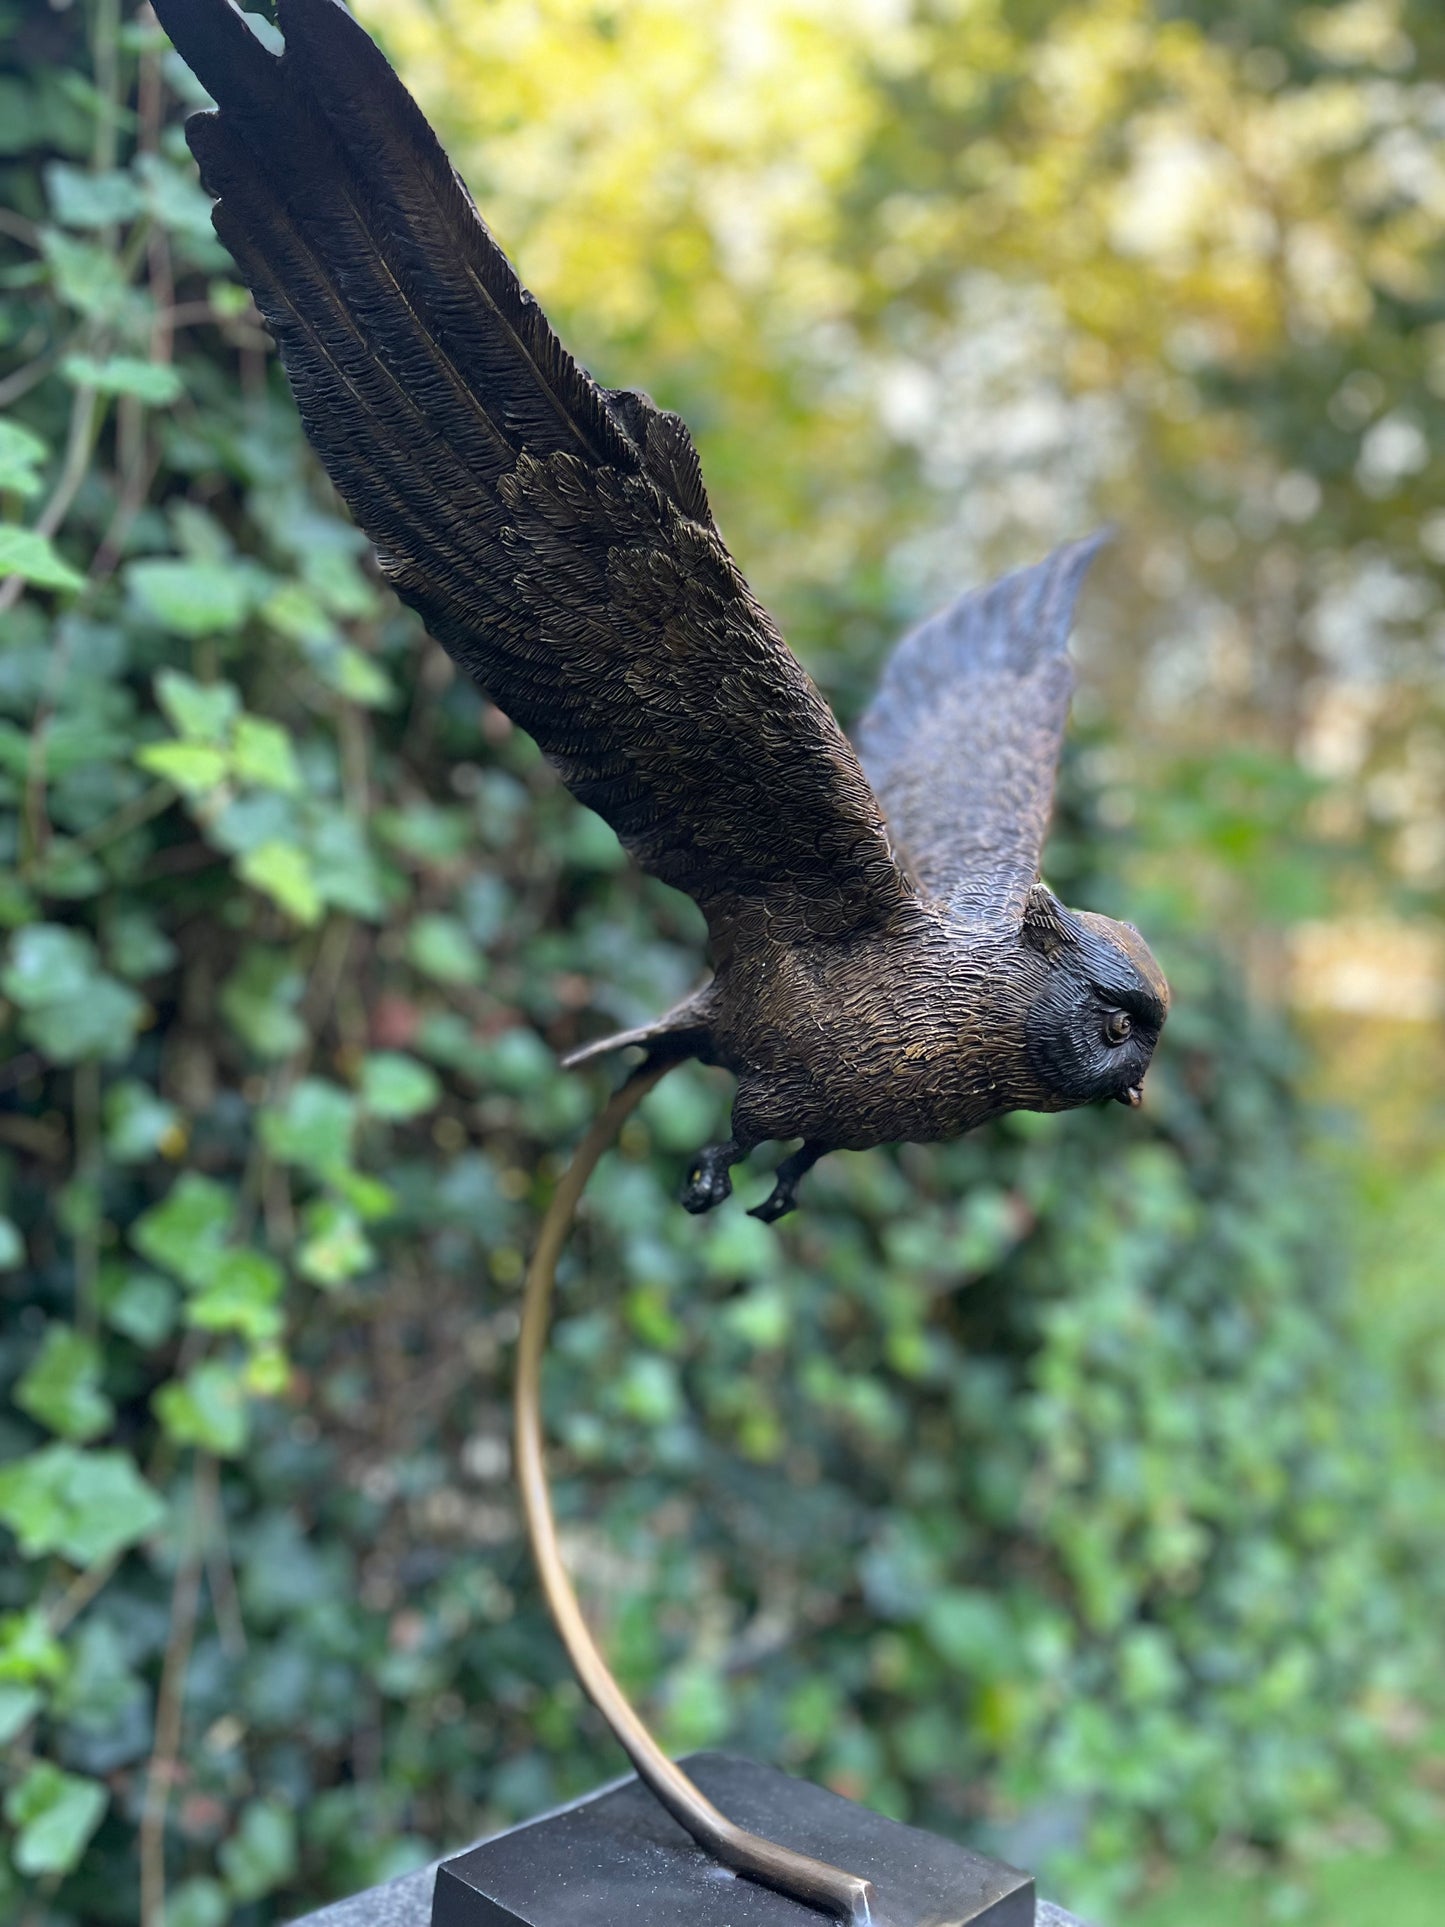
x=962, y=741
x=555, y=536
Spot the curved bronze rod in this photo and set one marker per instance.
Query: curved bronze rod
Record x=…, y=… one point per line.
x=845, y=1896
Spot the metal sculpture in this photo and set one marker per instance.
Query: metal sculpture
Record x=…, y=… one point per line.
x=887, y=964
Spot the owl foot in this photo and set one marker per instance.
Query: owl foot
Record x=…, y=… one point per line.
x=783, y=1197
x=708, y=1182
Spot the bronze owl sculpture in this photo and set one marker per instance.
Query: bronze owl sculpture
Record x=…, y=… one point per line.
x=887, y=964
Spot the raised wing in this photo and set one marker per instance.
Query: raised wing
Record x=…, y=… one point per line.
x=962, y=740
x=554, y=536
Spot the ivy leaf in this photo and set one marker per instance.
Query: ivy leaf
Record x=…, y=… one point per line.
x=100, y=1684
x=202, y=712
x=30, y=1654
x=87, y=276
x=194, y=768
x=61, y=1386
x=206, y=1409
x=186, y=1232
x=80, y=199
x=54, y=1814
x=335, y=1248
x=73, y=1008
x=441, y=948
x=346, y=871
x=177, y=201
x=18, y=1707
x=138, y=1120
x=313, y=1129
x=368, y=1197
x=49, y=963
x=283, y=872
x=354, y=675
x=259, y=1001
x=137, y=946
x=262, y=754
x=141, y=1304
x=261, y=1855
x=21, y=456
x=193, y=598
x=87, y=1506
x=12, y=1246
x=155, y=383
x=35, y=558
x=198, y=1903
x=100, y=1024
x=396, y=1086
x=240, y=1295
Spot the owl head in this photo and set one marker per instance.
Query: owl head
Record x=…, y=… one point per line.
x=1102, y=1000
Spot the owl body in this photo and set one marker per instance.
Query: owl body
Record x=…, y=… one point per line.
x=912, y=1035
x=887, y=964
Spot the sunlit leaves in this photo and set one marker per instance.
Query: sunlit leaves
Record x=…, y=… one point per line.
x=397, y=1087
x=187, y=1232
x=82, y=198
x=87, y=1506
x=73, y=1009
x=261, y=1854
x=193, y=598
x=203, y=712
x=139, y=1122
x=335, y=1247
x=54, y=1814
x=155, y=383
x=12, y=1246
x=35, y=558
x=313, y=1128
x=61, y=1386
x=442, y=948
x=21, y=455
x=284, y=873
x=206, y=1408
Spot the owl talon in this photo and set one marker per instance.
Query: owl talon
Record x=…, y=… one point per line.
x=783, y=1197
x=778, y=1203
x=708, y=1182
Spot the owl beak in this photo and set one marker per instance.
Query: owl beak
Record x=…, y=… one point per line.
x=1133, y=1097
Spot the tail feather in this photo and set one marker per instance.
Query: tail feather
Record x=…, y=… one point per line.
x=682, y=1032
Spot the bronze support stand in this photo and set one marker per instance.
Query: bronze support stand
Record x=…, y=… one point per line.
x=843, y=1895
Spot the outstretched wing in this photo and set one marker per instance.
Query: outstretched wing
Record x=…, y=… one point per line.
x=962, y=740
x=554, y=536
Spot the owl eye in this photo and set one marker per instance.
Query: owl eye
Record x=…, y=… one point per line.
x=1118, y=1026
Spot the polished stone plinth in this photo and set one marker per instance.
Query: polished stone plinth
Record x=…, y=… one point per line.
x=668, y=1856
x=617, y=1859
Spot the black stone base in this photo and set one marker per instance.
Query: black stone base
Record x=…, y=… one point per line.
x=616, y=1859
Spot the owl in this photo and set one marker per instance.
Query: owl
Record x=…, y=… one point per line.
x=887, y=964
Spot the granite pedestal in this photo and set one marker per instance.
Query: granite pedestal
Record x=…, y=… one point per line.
x=615, y=1859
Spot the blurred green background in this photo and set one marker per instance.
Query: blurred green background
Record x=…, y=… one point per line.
x=1075, y=1489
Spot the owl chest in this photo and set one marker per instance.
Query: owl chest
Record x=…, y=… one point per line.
x=868, y=1049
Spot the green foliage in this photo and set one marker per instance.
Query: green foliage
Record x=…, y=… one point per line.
x=1047, y=1488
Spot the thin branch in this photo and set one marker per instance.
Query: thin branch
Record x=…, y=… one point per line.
x=129, y=817
x=170, y=1710
x=30, y=375
x=18, y=228
x=86, y=1111
x=220, y=1573
x=84, y=421
x=79, y=1593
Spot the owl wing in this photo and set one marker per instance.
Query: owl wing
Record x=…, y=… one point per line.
x=962, y=741
x=554, y=536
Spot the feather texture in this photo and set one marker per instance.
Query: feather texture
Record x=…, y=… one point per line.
x=962, y=740
x=554, y=536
